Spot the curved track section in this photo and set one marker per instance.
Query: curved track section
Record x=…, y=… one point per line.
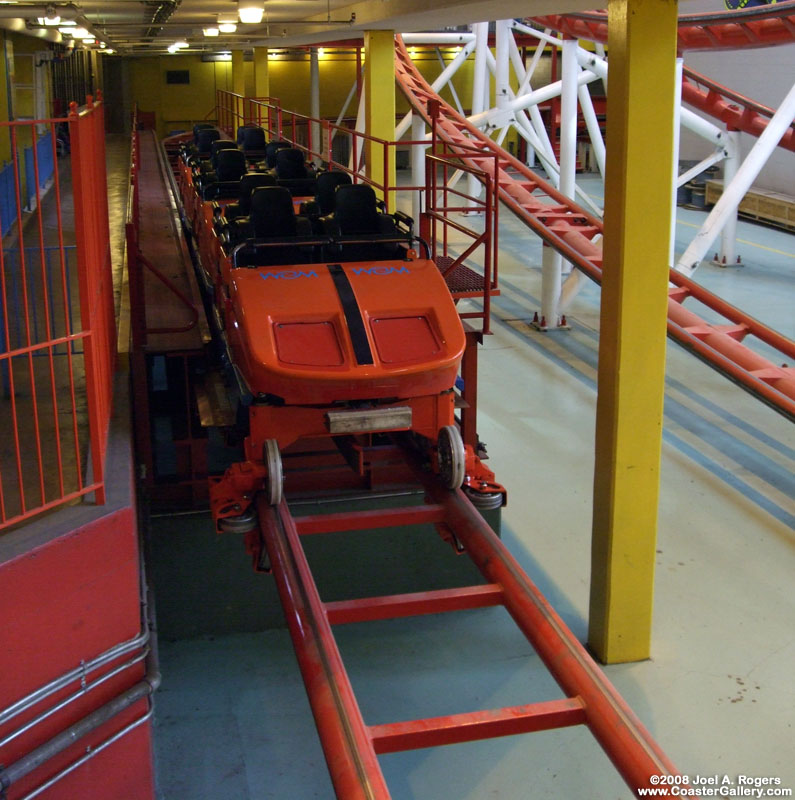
x=733, y=109
x=570, y=229
x=728, y=30
x=763, y=26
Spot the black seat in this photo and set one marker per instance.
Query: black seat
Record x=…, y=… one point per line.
x=247, y=184
x=271, y=149
x=356, y=216
x=241, y=131
x=230, y=165
x=290, y=164
x=273, y=224
x=326, y=188
x=204, y=140
x=253, y=141
x=326, y=185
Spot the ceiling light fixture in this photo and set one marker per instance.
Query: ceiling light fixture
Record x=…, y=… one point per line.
x=227, y=27
x=250, y=11
x=51, y=18
x=210, y=31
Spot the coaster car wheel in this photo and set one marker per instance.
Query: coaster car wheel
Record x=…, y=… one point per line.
x=275, y=480
x=451, y=457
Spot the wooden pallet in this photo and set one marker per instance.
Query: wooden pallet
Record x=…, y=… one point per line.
x=759, y=204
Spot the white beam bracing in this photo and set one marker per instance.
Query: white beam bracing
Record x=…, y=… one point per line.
x=734, y=192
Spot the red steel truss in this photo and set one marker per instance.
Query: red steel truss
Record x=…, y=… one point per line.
x=570, y=229
x=350, y=745
x=761, y=26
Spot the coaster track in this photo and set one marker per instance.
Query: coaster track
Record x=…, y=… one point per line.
x=570, y=229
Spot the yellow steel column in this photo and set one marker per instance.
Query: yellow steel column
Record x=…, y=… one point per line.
x=379, y=104
x=238, y=73
x=638, y=186
x=261, y=78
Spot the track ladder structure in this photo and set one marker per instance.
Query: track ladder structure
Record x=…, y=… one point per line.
x=570, y=230
x=761, y=26
x=351, y=747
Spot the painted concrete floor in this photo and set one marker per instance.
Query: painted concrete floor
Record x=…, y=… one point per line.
x=232, y=719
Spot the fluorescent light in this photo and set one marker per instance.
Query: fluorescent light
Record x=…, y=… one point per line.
x=210, y=31
x=181, y=45
x=227, y=27
x=250, y=11
x=80, y=33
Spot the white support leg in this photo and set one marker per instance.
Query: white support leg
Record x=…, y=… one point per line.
x=417, y=168
x=479, y=85
x=551, y=272
x=728, y=238
x=734, y=192
x=674, y=184
x=568, y=124
x=314, y=95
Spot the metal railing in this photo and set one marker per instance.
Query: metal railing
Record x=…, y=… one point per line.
x=57, y=321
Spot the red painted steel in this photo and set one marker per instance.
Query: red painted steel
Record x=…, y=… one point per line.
x=350, y=746
x=736, y=111
x=47, y=634
x=368, y=609
x=764, y=26
x=568, y=228
x=457, y=728
x=351, y=761
x=47, y=358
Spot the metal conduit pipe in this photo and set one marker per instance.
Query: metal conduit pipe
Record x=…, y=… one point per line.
x=78, y=673
x=144, y=688
x=59, y=743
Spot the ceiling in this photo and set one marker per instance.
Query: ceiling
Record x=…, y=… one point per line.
x=148, y=27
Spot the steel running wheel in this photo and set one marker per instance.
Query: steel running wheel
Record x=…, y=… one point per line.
x=275, y=480
x=452, y=457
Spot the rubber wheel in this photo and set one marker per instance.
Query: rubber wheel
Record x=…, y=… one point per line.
x=273, y=461
x=452, y=457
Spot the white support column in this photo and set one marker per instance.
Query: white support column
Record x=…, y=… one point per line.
x=551, y=263
x=734, y=192
x=677, y=128
x=503, y=37
x=479, y=84
x=314, y=97
x=417, y=168
x=570, y=71
x=728, y=237
x=592, y=125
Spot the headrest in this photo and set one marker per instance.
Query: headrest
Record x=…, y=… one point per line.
x=271, y=215
x=230, y=164
x=271, y=149
x=327, y=183
x=356, y=210
x=253, y=139
x=290, y=163
x=222, y=144
x=200, y=126
x=241, y=131
x=205, y=138
x=248, y=183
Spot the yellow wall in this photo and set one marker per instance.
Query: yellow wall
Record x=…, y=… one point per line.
x=177, y=106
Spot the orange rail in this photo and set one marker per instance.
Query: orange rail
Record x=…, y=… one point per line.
x=569, y=229
x=761, y=26
x=57, y=321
